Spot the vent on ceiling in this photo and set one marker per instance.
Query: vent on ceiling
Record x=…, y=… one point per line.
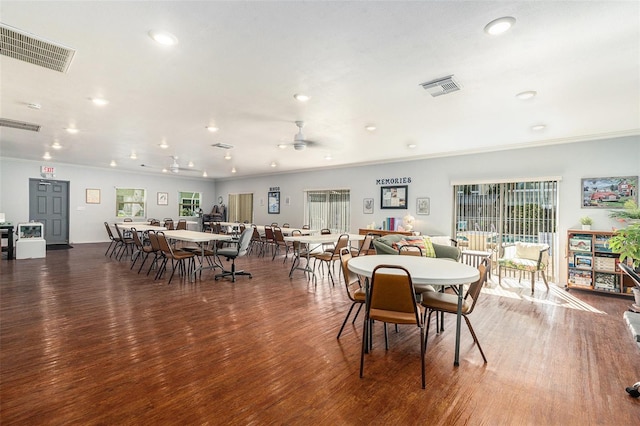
x=222, y=145
x=441, y=86
x=27, y=47
x=5, y=122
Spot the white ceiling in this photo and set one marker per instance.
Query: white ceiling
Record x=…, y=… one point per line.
x=238, y=65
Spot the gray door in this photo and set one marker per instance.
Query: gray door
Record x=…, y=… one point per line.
x=49, y=204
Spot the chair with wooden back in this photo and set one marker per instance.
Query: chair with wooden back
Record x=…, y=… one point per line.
x=332, y=255
x=355, y=292
x=279, y=242
x=178, y=257
x=434, y=301
x=392, y=300
x=114, y=240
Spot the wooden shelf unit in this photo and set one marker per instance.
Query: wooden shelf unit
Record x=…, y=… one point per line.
x=592, y=266
x=363, y=231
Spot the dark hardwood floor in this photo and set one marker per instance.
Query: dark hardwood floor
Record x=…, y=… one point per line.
x=85, y=340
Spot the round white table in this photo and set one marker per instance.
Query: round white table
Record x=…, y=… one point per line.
x=423, y=270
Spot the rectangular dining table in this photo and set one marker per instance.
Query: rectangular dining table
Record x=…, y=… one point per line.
x=424, y=271
x=313, y=243
x=200, y=238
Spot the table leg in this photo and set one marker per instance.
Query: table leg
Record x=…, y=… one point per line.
x=456, y=360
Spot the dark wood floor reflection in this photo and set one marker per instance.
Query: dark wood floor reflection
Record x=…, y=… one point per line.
x=85, y=340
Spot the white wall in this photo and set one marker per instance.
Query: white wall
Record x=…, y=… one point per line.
x=432, y=178
x=86, y=220
x=429, y=178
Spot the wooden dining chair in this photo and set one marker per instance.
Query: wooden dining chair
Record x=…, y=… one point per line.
x=114, y=240
x=392, y=300
x=182, y=224
x=439, y=302
x=178, y=258
x=355, y=292
x=332, y=255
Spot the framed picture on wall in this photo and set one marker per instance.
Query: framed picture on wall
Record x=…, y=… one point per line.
x=394, y=197
x=273, y=204
x=367, y=206
x=92, y=196
x=609, y=192
x=423, y=206
x=163, y=198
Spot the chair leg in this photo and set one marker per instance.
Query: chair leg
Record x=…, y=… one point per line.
x=346, y=318
x=533, y=280
x=422, y=350
x=365, y=343
x=475, y=338
x=357, y=313
x=544, y=278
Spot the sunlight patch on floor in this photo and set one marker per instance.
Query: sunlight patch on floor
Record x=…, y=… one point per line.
x=556, y=296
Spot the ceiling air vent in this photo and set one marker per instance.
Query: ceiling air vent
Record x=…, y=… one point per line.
x=441, y=86
x=27, y=47
x=5, y=122
x=222, y=145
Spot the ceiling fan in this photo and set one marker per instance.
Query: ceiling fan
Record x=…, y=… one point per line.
x=175, y=167
x=299, y=142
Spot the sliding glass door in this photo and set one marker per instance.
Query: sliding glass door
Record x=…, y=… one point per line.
x=490, y=215
x=328, y=209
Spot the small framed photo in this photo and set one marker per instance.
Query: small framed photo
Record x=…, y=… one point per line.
x=92, y=196
x=423, y=206
x=394, y=197
x=273, y=202
x=367, y=206
x=163, y=198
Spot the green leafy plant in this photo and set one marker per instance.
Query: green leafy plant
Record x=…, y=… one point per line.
x=630, y=210
x=586, y=220
x=626, y=242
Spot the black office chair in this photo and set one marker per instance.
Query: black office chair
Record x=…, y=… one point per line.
x=232, y=253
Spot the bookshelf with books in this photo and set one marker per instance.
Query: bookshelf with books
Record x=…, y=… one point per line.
x=592, y=266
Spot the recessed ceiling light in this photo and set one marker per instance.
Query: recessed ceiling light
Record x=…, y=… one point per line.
x=113, y=163
x=212, y=129
x=411, y=145
x=282, y=145
x=328, y=157
x=233, y=170
x=99, y=101
x=190, y=164
x=133, y=155
x=370, y=128
x=500, y=25
x=46, y=156
x=164, y=170
x=204, y=174
x=300, y=97
x=56, y=145
x=72, y=130
x=163, y=37
x=273, y=164
x=526, y=95
x=538, y=127
x=164, y=145
x=227, y=156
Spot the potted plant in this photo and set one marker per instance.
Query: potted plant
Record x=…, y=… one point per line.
x=626, y=242
x=586, y=222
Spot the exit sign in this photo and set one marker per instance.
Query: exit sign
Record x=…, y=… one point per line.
x=47, y=172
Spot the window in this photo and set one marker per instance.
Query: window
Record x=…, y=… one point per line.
x=487, y=216
x=131, y=202
x=188, y=203
x=329, y=209
x=240, y=208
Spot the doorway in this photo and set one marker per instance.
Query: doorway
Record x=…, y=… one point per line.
x=49, y=204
